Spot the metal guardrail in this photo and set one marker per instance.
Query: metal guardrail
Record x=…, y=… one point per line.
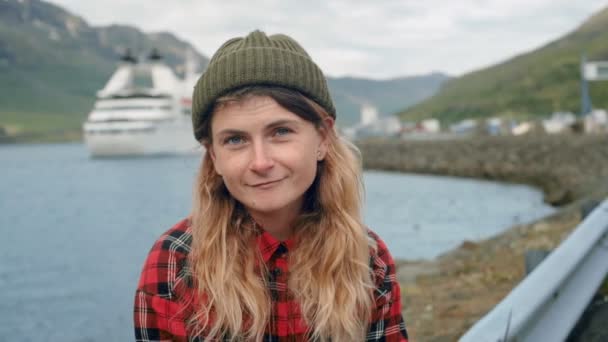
x=546, y=305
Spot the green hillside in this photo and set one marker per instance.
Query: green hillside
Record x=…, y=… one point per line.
x=52, y=63
x=530, y=85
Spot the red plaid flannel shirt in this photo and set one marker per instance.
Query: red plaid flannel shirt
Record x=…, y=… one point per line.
x=165, y=286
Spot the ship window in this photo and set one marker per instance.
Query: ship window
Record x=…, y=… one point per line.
x=119, y=108
x=143, y=79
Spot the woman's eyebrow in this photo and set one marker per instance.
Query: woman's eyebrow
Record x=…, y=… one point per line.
x=231, y=131
x=282, y=122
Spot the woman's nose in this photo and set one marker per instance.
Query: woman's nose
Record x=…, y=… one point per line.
x=261, y=159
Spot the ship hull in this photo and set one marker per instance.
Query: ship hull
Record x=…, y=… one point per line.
x=140, y=138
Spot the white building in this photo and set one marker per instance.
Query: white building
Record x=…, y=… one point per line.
x=596, y=121
x=559, y=122
x=466, y=126
x=385, y=127
x=430, y=125
x=369, y=114
x=494, y=126
x=522, y=128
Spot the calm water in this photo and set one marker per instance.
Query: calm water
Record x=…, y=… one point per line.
x=75, y=231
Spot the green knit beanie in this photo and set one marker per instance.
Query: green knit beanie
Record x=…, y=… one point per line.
x=258, y=59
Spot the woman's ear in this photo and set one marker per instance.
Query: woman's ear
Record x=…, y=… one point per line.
x=209, y=149
x=325, y=131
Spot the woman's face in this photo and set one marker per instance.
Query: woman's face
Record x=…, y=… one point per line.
x=266, y=155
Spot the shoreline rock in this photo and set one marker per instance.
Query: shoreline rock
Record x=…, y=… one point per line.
x=566, y=167
x=444, y=297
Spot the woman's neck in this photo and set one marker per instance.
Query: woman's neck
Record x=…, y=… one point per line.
x=279, y=224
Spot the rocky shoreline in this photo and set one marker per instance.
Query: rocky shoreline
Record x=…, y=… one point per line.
x=565, y=167
x=444, y=297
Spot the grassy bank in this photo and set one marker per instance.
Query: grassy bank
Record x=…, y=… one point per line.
x=31, y=127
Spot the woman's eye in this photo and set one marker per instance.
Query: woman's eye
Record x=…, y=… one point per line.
x=234, y=140
x=282, y=131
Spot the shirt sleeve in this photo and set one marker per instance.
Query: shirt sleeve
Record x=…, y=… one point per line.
x=158, y=315
x=387, y=321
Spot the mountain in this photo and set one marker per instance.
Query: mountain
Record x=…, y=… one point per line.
x=52, y=63
x=530, y=85
x=388, y=96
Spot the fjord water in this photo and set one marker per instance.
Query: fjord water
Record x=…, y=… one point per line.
x=75, y=231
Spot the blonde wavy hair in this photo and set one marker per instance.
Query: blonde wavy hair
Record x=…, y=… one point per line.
x=330, y=274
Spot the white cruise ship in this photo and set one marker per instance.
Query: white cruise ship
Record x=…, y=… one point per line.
x=144, y=109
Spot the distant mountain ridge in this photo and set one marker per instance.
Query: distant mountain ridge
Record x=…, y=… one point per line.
x=529, y=85
x=388, y=96
x=52, y=63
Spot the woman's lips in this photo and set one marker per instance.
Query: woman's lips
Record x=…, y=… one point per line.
x=265, y=185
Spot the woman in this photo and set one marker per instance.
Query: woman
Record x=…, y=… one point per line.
x=275, y=248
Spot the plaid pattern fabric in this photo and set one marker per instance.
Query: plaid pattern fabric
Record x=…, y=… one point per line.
x=164, y=296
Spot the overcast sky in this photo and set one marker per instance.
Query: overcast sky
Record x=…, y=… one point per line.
x=376, y=39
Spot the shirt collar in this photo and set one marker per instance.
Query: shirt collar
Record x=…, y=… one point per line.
x=268, y=244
